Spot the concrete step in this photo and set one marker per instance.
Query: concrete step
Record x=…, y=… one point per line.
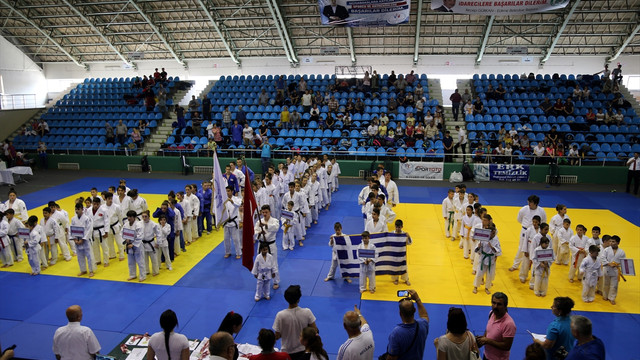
x=151, y=146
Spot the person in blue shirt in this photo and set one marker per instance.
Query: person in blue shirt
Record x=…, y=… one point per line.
x=232, y=180
x=265, y=155
x=559, y=331
x=241, y=116
x=199, y=221
x=404, y=342
x=236, y=133
x=174, y=203
x=241, y=166
x=587, y=346
x=205, y=206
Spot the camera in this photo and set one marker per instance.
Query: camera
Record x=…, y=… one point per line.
x=403, y=293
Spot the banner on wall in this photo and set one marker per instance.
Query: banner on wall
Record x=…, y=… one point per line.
x=501, y=172
x=496, y=7
x=371, y=13
x=421, y=170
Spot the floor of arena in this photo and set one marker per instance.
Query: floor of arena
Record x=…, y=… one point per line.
x=204, y=286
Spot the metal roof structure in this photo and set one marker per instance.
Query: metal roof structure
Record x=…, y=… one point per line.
x=115, y=30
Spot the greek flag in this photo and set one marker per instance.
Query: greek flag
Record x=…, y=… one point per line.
x=392, y=253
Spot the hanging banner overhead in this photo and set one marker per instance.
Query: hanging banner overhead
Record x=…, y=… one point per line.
x=372, y=13
x=496, y=7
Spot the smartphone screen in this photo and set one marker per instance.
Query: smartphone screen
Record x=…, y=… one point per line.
x=403, y=293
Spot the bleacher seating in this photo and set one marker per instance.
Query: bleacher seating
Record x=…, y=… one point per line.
x=77, y=121
x=519, y=108
x=244, y=90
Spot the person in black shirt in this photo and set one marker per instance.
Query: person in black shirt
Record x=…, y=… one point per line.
x=448, y=146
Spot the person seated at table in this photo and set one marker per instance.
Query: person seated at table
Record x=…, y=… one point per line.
x=266, y=340
x=167, y=344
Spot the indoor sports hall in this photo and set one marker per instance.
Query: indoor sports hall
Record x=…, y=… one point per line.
x=510, y=98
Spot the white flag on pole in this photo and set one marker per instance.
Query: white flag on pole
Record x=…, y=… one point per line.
x=219, y=192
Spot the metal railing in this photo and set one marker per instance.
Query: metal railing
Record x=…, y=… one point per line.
x=17, y=101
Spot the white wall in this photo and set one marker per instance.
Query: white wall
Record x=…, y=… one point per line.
x=19, y=74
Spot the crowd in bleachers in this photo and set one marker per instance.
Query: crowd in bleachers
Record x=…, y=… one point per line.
x=111, y=114
x=371, y=115
x=559, y=119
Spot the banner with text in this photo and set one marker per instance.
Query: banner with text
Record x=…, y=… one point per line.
x=501, y=172
x=422, y=170
x=496, y=7
x=372, y=13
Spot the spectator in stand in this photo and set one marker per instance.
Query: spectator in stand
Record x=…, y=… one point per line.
x=407, y=340
x=241, y=115
x=458, y=342
x=294, y=98
x=360, y=345
x=411, y=78
x=279, y=100
x=590, y=116
x=307, y=101
x=226, y=117
x=284, y=118
x=478, y=107
x=216, y=134
x=109, y=134
x=577, y=93
x=333, y=104
x=539, y=150
x=419, y=131
x=263, y=98
x=236, y=133
x=247, y=134
x=267, y=340
x=600, y=116
x=314, y=113
x=136, y=137
x=318, y=99
x=375, y=81
x=281, y=84
x=43, y=127
x=144, y=81
x=420, y=109
x=196, y=123
x=568, y=107
x=372, y=129
x=382, y=130
x=558, y=108
x=462, y=141
x=156, y=74
x=193, y=104
x=525, y=145
x=500, y=331
x=163, y=75
x=359, y=107
x=263, y=128
x=137, y=84
x=587, y=346
x=400, y=83
x=468, y=108
x=500, y=91
x=121, y=131
x=448, y=146
x=74, y=341
x=408, y=99
x=302, y=86
x=152, y=81
x=206, y=108
x=546, y=106
x=552, y=136
x=392, y=78
x=392, y=106
x=616, y=74
x=455, y=98
x=418, y=93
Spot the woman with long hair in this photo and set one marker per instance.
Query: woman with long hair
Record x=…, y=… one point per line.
x=166, y=344
x=458, y=342
x=313, y=344
x=232, y=323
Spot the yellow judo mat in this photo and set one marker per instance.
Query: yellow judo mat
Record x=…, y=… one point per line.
x=118, y=270
x=440, y=274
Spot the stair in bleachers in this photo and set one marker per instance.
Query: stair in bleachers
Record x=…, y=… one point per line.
x=635, y=101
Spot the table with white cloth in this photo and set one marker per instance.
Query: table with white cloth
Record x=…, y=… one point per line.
x=14, y=174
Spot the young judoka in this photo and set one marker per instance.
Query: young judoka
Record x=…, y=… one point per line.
x=33, y=245
x=114, y=242
x=272, y=194
x=468, y=221
x=303, y=212
x=489, y=252
x=17, y=244
x=613, y=256
x=100, y=218
x=265, y=231
x=123, y=201
x=53, y=233
x=264, y=269
x=578, y=243
x=535, y=242
x=314, y=190
x=595, y=237
x=230, y=224
x=5, y=242
x=605, y=244
x=525, y=247
x=164, y=229
x=483, y=221
x=376, y=224
x=590, y=270
x=367, y=264
x=195, y=211
x=17, y=205
x=177, y=226
x=149, y=232
x=405, y=277
x=83, y=244
x=541, y=267
x=448, y=212
x=289, y=228
x=335, y=263
x=187, y=217
x=525, y=216
x=459, y=205
x=335, y=170
x=556, y=224
x=132, y=235
x=138, y=203
x=564, y=235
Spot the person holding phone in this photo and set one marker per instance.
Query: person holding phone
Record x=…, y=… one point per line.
x=407, y=340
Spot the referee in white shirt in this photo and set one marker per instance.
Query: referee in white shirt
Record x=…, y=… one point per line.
x=634, y=173
x=74, y=341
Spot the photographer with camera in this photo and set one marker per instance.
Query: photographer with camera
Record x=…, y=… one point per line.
x=407, y=340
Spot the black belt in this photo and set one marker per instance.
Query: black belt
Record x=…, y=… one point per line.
x=268, y=243
x=98, y=228
x=149, y=242
x=232, y=220
x=111, y=227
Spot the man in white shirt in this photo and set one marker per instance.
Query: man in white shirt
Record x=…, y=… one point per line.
x=462, y=141
x=74, y=341
x=247, y=135
x=289, y=323
x=221, y=346
x=360, y=345
x=634, y=173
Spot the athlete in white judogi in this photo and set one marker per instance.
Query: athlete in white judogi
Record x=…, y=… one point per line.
x=100, y=218
x=163, y=230
x=377, y=224
x=489, y=252
x=83, y=244
x=132, y=235
x=289, y=228
x=230, y=221
x=17, y=205
x=367, y=265
x=264, y=269
x=5, y=243
x=564, y=235
x=613, y=256
x=579, y=245
x=149, y=243
x=525, y=247
x=467, y=222
x=265, y=232
x=555, y=224
x=525, y=216
x=541, y=268
x=17, y=243
x=590, y=270
x=195, y=211
x=114, y=241
x=448, y=213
